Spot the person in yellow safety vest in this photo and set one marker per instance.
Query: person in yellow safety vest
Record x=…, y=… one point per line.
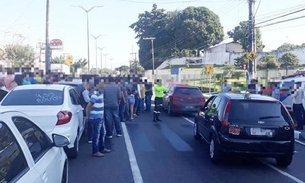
x=159, y=90
x=212, y=110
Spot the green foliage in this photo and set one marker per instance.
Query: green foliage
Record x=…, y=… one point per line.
x=240, y=34
x=228, y=70
x=58, y=60
x=288, y=47
x=268, y=61
x=18, y=54
x=289, y=59
x=240, y=62
x=238, y=75
x=177, y=33
x=80, y=64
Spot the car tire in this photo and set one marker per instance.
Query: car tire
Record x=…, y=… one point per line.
x=73, y=152
x=197, y=136
x=64, y=178
x=214, y=152
x=284, y=160
x=169, y=110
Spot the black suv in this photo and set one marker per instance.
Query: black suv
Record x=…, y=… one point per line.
x=247, y=124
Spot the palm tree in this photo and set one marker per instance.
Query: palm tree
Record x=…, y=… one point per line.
x=58, y=60
x=80, y=64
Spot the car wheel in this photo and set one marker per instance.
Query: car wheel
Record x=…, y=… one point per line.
x=73, y=152
x=64, y=178
x=169, y=110
x=196, y=133
x=215, y=153
x=284, y=160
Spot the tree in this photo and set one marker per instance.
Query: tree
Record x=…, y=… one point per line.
x=80, y=64
x=176, y=32
x=228, y=70
x=268, y=61
x=240, y=62
x=240, y=34
x=58, y=60
x=289, y=59
x=19, y=55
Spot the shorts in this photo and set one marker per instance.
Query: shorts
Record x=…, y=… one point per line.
x=131, y=100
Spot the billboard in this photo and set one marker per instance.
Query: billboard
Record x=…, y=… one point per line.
x=56, y=44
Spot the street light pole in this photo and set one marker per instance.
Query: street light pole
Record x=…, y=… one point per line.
x=96, y=37
x=106, y=60
x=88, y=33
x=152, y=53
x=111, y=63
x=101, y=53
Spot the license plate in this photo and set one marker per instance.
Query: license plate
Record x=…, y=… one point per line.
x=189, y=107
x=261, y=132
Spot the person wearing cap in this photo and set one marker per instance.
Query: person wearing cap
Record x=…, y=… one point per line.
x=159, y=90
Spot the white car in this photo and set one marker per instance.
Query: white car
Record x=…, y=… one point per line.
x=27, y=153
x=55, y=108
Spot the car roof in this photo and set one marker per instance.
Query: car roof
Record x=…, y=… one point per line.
x=41, y=86
x=239, y=96
x=185, y=86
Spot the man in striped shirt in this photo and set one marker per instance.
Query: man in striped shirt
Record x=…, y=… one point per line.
x=95, y=109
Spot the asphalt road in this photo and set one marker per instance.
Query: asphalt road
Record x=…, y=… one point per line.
x=166, y=152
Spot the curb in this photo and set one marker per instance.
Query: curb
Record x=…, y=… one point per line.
x=299, y=135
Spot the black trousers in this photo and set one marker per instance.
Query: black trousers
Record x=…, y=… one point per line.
x=158, y=104
x=299, y=113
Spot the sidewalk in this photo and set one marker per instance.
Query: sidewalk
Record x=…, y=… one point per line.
x=299, y=135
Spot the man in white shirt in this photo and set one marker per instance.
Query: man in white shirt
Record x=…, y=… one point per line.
x=226, y=87
x=298, y=109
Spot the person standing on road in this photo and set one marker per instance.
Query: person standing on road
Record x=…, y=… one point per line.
x=148, y=95
x=95, y=109
x=298, y=109
x=123, y=101
x=159, y=93
x=112, y=97
x=226, y=87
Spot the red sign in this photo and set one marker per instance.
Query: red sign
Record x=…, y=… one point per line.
x=56, y=44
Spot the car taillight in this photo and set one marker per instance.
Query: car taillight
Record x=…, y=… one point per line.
x=63, y=117
x=292, y=126
x=234, y=130
x=175, y=97
x=225, y=121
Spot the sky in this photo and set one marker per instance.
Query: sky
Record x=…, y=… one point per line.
x=68, y=23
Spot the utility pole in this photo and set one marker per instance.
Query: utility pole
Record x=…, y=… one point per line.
x=252, y=40
x=47, y=48
x=96, y=37
x=111, y=62
x=152, y=53
x=106, y=60
x=134, y=62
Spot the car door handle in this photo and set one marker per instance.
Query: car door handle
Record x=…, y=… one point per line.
x=44, y=177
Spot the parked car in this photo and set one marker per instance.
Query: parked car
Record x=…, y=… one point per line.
x=183, y=99
x=247, y=124
x=56, y=108
x=27, y=153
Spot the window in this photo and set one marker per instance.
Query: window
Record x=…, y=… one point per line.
x=74, y=97
x=12, y=161
x=188, y=91
x=216, y=102
x=35, y=138
x=34, y=97
x=253, y=110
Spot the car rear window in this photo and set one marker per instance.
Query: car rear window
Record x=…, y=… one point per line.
x=248, y=110
x=187, y=91
x=33, y=97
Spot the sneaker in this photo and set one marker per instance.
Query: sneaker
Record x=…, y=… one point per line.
x=119, y=135
x=109, y=137
x=105, y=151
x=89, y=141
x=98, y=154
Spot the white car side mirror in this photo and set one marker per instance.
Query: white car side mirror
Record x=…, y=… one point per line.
x=60, y=141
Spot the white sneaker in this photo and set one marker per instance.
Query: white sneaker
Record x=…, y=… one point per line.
x=119, y=135
x=109, y=137
x=89, y=141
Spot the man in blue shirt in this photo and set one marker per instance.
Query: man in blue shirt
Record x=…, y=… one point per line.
x=95, y=109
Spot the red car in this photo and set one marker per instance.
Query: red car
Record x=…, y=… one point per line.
x=183, y=99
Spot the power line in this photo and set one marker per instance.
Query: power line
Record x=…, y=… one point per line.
x=174, y=2
x=283, y=21
x=287, y=14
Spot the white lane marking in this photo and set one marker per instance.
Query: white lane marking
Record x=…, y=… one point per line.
x=137, y=177
x=187, y=119
x=302, y=143
x=297, y=134
x=283, y=173
x=269, y=165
